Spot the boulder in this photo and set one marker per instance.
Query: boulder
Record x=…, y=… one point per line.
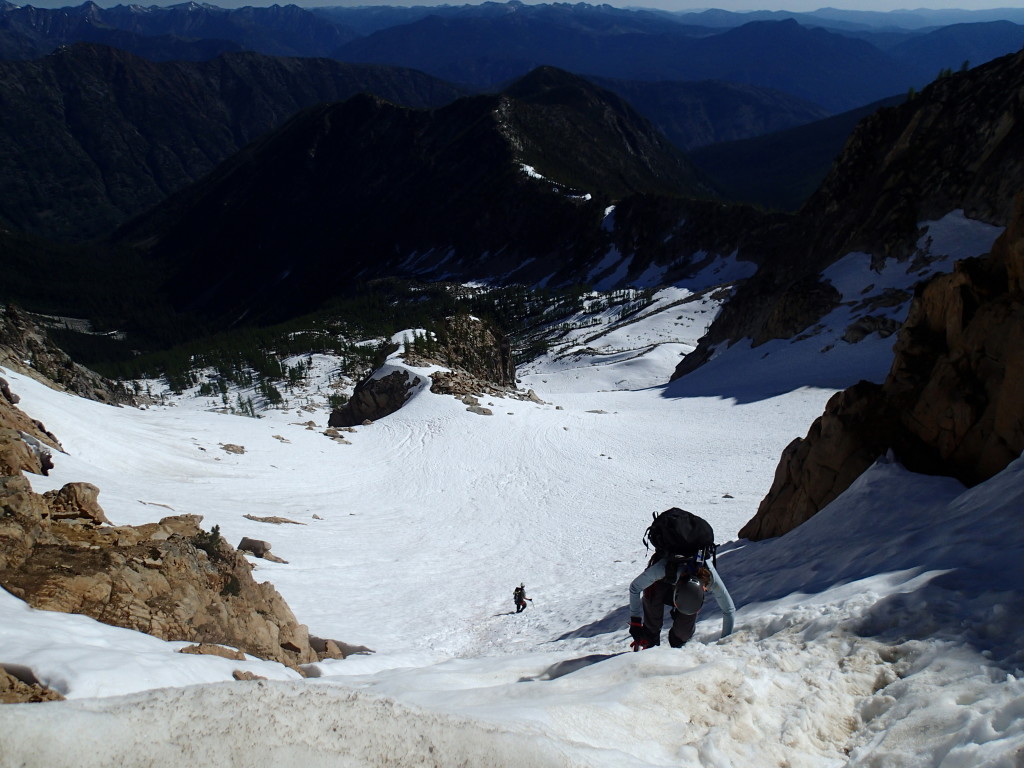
x=335, y=649
x=246, y=675
x=76, y=502
x=373, y=399
x=259, y=548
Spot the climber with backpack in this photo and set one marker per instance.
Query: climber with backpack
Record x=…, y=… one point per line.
x=681, y=571
x=519, y=598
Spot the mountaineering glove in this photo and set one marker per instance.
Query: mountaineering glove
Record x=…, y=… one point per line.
x=641, y=637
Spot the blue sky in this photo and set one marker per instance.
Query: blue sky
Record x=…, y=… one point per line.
x=812, y=5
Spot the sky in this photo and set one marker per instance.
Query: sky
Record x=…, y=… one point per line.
x=882, y=632
x=670, y=5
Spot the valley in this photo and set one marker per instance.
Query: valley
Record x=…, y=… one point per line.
x=322, y=329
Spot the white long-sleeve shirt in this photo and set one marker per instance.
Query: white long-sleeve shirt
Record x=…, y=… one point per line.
x=656, y=572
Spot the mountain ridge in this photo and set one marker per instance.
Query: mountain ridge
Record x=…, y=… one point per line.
x=452, y=190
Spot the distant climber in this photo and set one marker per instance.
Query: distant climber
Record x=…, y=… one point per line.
x=679, y=573
x=519, y=598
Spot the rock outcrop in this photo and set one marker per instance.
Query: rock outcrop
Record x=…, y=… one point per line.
x=25, y=348
x=374, y=398
x=170, y=579
x=478, y=359
x=14, y=690
x=25, y=444
x=952, y=403
x=474, y=347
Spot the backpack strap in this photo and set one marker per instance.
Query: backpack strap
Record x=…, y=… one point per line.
x=678, y=567
x=647, y=533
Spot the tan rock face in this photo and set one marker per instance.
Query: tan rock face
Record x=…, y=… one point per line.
x=16, y=455
x=953, y=403
x=193, y=587
x=13, y=421
x=841, y=444
x=15, y=691
x=169, y=579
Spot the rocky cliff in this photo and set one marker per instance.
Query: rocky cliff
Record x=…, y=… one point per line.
x=170, y=579
x=952, y=403
x=26, y=348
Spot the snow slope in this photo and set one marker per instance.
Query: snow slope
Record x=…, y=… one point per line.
x=872, y=635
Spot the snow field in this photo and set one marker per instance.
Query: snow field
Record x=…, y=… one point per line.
x=870, y=636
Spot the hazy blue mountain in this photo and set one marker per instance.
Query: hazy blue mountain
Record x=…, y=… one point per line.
x=949, y=47
x=276, y=30
x=368, y=19
x=830, y=70
x=851, y=20
x=781, y=170
x=697, y=114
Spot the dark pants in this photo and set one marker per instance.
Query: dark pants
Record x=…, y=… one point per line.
x=655, y=598
x=520, y=607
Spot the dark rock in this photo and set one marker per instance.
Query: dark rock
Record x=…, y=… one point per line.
x=374, y=399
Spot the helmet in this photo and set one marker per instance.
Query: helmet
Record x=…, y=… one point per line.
x=689, y=596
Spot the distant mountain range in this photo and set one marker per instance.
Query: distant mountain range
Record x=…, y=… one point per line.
x=273, y=184
x=93, y=135
x=160, y=33
x=836, y=60
x=108, y=135
x=828, y=69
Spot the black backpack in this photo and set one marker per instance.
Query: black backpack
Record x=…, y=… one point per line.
x=676, y=532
